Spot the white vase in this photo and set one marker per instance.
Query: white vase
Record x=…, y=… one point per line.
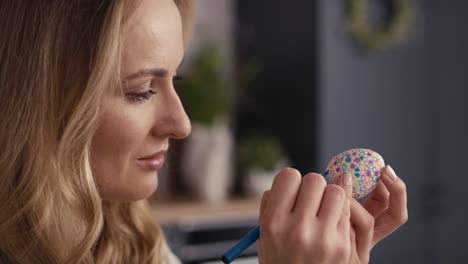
x=260, y=180
x=207, y=161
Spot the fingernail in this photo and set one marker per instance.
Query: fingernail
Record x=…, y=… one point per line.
x=391, y=173
x=347, y=179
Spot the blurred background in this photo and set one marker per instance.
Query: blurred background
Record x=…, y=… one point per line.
x=270, y=84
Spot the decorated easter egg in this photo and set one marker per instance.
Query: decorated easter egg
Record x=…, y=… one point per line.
x=364, y=165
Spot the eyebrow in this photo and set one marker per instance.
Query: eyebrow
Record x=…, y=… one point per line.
x=157, y=72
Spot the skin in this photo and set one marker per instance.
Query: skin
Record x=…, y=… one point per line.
x=302, y=219
x=131, y=126
x=298, y=227
x=383, y=212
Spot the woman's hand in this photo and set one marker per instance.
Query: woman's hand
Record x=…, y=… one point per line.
x=383, y=212
x=304, y=220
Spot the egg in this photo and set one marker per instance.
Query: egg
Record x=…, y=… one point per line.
x=364, y=166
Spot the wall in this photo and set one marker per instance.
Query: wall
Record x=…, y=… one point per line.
x=214, y=24
x=408, y=104
x=321, y=94
x=448, y=128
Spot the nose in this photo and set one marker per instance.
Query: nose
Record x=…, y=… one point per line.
x=174, y=122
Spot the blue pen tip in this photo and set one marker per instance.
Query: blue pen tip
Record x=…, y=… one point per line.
x=225, y=260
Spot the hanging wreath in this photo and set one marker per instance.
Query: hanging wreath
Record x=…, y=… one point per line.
x=394, y=30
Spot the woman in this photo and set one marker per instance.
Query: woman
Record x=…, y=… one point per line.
x=88, y=108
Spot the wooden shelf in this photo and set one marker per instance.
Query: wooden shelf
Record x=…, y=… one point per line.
x=182, y=210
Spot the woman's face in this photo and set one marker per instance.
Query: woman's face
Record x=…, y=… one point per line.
x=133, y=135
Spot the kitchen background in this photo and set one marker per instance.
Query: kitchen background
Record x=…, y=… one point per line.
x=275, y=83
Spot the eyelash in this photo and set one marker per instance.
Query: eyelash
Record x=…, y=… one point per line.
x=142, y=97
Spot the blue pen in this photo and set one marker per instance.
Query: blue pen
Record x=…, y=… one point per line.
x=242, y=245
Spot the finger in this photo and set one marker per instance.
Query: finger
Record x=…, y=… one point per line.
x=282, y=196
x=397, y=212
x=310, y=195
x=331, y=208
x=264, y=204
x=263, y=208
x=363, y=225
x=354, y=257
x=377, y=202
x=346, y=184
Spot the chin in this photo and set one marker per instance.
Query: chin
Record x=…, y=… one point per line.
x=133, y=191
x=142, y=191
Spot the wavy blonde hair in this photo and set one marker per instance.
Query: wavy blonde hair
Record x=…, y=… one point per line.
x=57, y=58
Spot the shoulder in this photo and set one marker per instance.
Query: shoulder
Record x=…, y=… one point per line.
x=170, y=258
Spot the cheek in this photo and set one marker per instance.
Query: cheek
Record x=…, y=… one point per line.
x=114, y=151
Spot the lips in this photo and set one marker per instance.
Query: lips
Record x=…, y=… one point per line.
x=153, y=162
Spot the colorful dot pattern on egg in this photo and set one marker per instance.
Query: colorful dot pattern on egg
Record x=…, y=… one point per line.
x=363, y=164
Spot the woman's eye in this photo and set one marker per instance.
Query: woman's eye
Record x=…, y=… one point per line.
x=140, y=97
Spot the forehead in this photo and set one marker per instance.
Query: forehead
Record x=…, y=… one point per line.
x=152, y=36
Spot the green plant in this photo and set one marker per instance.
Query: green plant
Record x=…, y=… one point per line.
x=260, y=151
x=205, y=91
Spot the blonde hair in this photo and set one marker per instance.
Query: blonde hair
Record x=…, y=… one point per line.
x=57, y=58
